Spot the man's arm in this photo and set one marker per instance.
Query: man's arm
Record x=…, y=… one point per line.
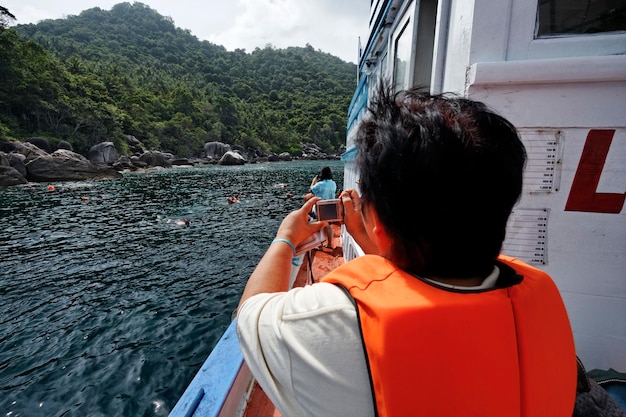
x=273, y=271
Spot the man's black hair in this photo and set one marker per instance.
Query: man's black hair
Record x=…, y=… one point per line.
x=443, y=174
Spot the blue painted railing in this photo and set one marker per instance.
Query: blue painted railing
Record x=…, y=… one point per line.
x=219, y=388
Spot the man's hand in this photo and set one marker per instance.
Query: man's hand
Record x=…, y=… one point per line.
x=353, y=220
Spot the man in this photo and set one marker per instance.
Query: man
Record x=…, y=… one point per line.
x=433, y=321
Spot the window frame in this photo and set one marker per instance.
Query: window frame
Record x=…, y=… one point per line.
x=525, y=44
x=405, y=26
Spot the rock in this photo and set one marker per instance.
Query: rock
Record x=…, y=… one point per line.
x=7, y=145
x=69, y=155
x=63, y=165
x=259, y=153
x=311, y=148
x=311, y=151
x=124, y=160
x=137, y=162
x=232, y=158
x=124, y=163
x=41, y=143
x=273, y=158
x=10, y=176
x=29, y=150
x=16, y=160
x=215, y=150
x=103, y=153
x=247, y=153
x=156, y=159
x=132, y=141
x=181, y=161
x=134, y=144
x=285, y=156
x=65, y=145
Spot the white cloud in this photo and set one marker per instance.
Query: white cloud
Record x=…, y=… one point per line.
x=284, y=23
x=262, y=22
x=332, y=26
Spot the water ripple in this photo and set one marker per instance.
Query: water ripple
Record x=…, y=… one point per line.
x=109, y=303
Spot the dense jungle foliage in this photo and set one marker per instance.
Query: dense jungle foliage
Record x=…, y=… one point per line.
x=102, y=75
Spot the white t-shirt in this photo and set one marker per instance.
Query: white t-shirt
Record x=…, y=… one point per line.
x=304, y=347
x=286, y=342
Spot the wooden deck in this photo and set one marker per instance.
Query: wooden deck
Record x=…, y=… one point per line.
x=322, y=262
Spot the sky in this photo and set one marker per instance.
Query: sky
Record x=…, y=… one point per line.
x=332, y=26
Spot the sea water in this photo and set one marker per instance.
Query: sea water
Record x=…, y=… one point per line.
x=110, y=302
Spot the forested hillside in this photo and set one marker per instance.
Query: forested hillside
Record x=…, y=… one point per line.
x=103, y=74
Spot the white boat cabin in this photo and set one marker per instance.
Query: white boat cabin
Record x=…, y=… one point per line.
x=557, y=70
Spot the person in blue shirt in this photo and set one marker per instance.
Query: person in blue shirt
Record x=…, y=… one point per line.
x=324, y=187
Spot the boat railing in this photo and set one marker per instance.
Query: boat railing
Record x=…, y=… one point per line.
x=221, y=386
x=358, y=103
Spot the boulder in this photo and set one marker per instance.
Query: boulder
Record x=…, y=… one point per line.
x=103, y=153
x=257, y=153
x=181, y=161
x=16, y=160
x=137, y=162
x=124, y=163
x=41, y=143
x=63, y=165
x=29, y=150
x=65, y=145
x=156, y=159
x=245, y=152
x=69, y=155
x=215, y=150
x=125, y=160
x=134, y=144
x=7, y=145
x=273, y=158
x=10, y=176
x=168, y=156
x=285, y=156
x=311, y=148
x=232, y=158
x=312, y=151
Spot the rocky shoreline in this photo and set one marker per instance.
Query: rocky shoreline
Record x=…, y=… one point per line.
x=34, y=160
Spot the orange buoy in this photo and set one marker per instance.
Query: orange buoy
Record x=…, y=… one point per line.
x=50, y=187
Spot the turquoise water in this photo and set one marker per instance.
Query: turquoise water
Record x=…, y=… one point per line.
x=110, y=303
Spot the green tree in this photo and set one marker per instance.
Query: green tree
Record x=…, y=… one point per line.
x=102, y=75
x=5, y=17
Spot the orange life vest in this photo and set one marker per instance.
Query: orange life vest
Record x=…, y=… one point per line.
x=433, y=351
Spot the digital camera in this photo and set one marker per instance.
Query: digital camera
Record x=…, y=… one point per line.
x=329, y=210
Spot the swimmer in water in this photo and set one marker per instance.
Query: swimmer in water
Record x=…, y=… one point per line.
x=233, y=199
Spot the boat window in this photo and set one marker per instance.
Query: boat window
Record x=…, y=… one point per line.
x=402, y=54
x=411, y=46
x=561, y=17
